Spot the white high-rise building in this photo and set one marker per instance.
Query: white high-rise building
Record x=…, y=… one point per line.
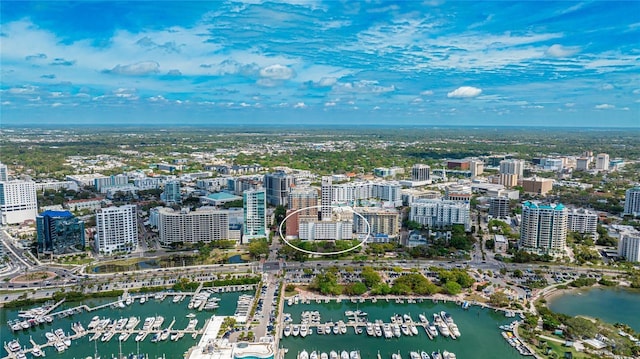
x=583, y=221
x=512, y=167
x=437, y=213
x=602, y=162
x=255, y=214
x=543, y=228
x=476, y=167
x=632, y=202
x=382, y=222
x=18, y=201
x=629, y=246
x=4, y=172
x=205, y=225
x=326, y=198
x=116, y=229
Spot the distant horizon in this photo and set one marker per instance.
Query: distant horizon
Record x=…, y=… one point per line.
x=408, y=63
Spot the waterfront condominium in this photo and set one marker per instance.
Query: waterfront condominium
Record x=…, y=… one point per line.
x=439, y=213
x=632, y=202
x=326, y=198
x=543, y=228
x=116, y=229
x=583, y=221
x=59, y=232
x=254, y=203
x=629, y=245
x=278, y=185
x=205, y=224
x=18, y=201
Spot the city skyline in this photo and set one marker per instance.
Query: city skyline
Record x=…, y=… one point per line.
x=567, y=64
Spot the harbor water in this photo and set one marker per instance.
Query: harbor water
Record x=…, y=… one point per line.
x=83, y=347
x=480, y=336
x=612, y=305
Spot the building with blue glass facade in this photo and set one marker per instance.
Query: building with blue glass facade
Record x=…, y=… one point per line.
x=59, y=232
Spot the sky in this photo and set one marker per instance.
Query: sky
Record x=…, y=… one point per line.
x=308, y=62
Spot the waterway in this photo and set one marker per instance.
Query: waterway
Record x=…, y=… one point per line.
x=82, y=347
x=480, y=336
x=611, y=305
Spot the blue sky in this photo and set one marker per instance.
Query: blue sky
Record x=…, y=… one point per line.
x=314, y=62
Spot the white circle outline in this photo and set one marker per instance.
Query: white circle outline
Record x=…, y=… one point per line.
x=324, y=253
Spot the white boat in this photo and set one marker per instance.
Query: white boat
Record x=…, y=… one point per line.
x=296, y=330
x=192, y=324
x=406, y=318
x=164, y=335
x=432, y=329
x=131, y=323
x=303, y=355
x=107, y=336
x=377, y=329
x=413, y=329
x=148, y=323
x=354, y=355
x=333, y=355
x=453, y=328
x=446, y=317
x=335, y=329
x=313, y=355
x=423, y=319
x=94, y=322
x=405, y=329
x=37, y=352
x=436, y=355
x=128, y=301
x=344, y=355
x=396, y=356
x=176, y=298
x=140, y=336
x=424, y=355
x=342, y=327
x=14, y=345
x=175, y=336
x=387, y=331
x=124, y=336
x=157, y=322
x=396, y=330
x=304, y=330
x=143, y=300
x=370, y=331
x=191, y=315
x=414, y=355
x=60, y=347
x=287, y=331
x=448, y=355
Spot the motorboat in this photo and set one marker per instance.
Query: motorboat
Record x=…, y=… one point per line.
x=287, y=331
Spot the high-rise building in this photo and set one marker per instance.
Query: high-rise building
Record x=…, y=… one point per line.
x=583, y=221
x=437, y=213
x=632, y=202
x=382, y=221
x=543, y=228
x=18, y=201
x=59, y=232
x=582, y=163
x=171, y=194
x=629, y=245
x=602, y=162
x=512, y=167
x=116, y=229
x=326, y=198
x=476, y=167
x=255, y=214
x=499, y=207
x=537, y=185
x=303, y=201
x=206, y=224
x=420, y=173
x=278, y=185
x=101, y=184
x=4, y=172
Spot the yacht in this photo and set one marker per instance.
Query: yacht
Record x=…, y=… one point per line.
x=407, y=318
x=354, y=355
x=296, y=330
x=313, y=355
x=190, y=315
x=333, y=355
x=414, y=355
x=342, y=327
x=424, y=355
x=344, y=355
x=405, y=329
x=60, y=347
x=336, y=329
x=413, y=329
x=448, y=355
x=37, y=352
x=396, y=356
x=176, y=298
x=124, y=336
x=148, y=323
x=303, y=355
x=304, y=330
x=423, y=319
x=14, y=345
x=192, y=324
x=157, y=322
x=94, y=322
x=377, y=330
x=436, y=355
x=164, y=335
x=327, y=328
x=287, y=331
x=453, y=328
x=396, y=330
x=431, y=327
x=140, y=336
x=132, y=322
x=370, y=331
x=386, y=330
x=446, y=317
x=324, y=355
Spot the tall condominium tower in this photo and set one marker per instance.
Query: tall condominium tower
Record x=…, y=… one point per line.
x=171, y=194
x=206, y=224
x=326, y=198
x=602, y=162
x=116, y=229
x=18, y=201
x=543, y=228
x=4, y=173
x=255, y=213
x=632, y=202
x=278, y=185
x=420, y=172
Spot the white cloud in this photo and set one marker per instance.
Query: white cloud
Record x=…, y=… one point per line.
x=56, y=104
x=426, y=93
x=363, y=86
x=636, y=92
x=137, y=69
x=569, y=104
x=464, y=92
x=300, y=105
x=327, y=81
x=329, y=104
x=277, y=72
x=606, y=87
x=604, y=106
x=557, y=50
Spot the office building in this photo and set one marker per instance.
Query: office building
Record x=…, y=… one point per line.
x=255, y=214
x=206, y=224
x=632, y=202
x=512, y=167
x=537, y=185
x=629, y=245
x=583, y=221
x=543, y=228
x=4, y=172
x=59, y=232
x=420, y=173
x=277, y=186
x=171, y=194
x=582, y=163
x=18, y=201
x=326, y=198
x=499, y=207
x=602, y=162
x=437, y=213
x=382, y=221
x=116, y=229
